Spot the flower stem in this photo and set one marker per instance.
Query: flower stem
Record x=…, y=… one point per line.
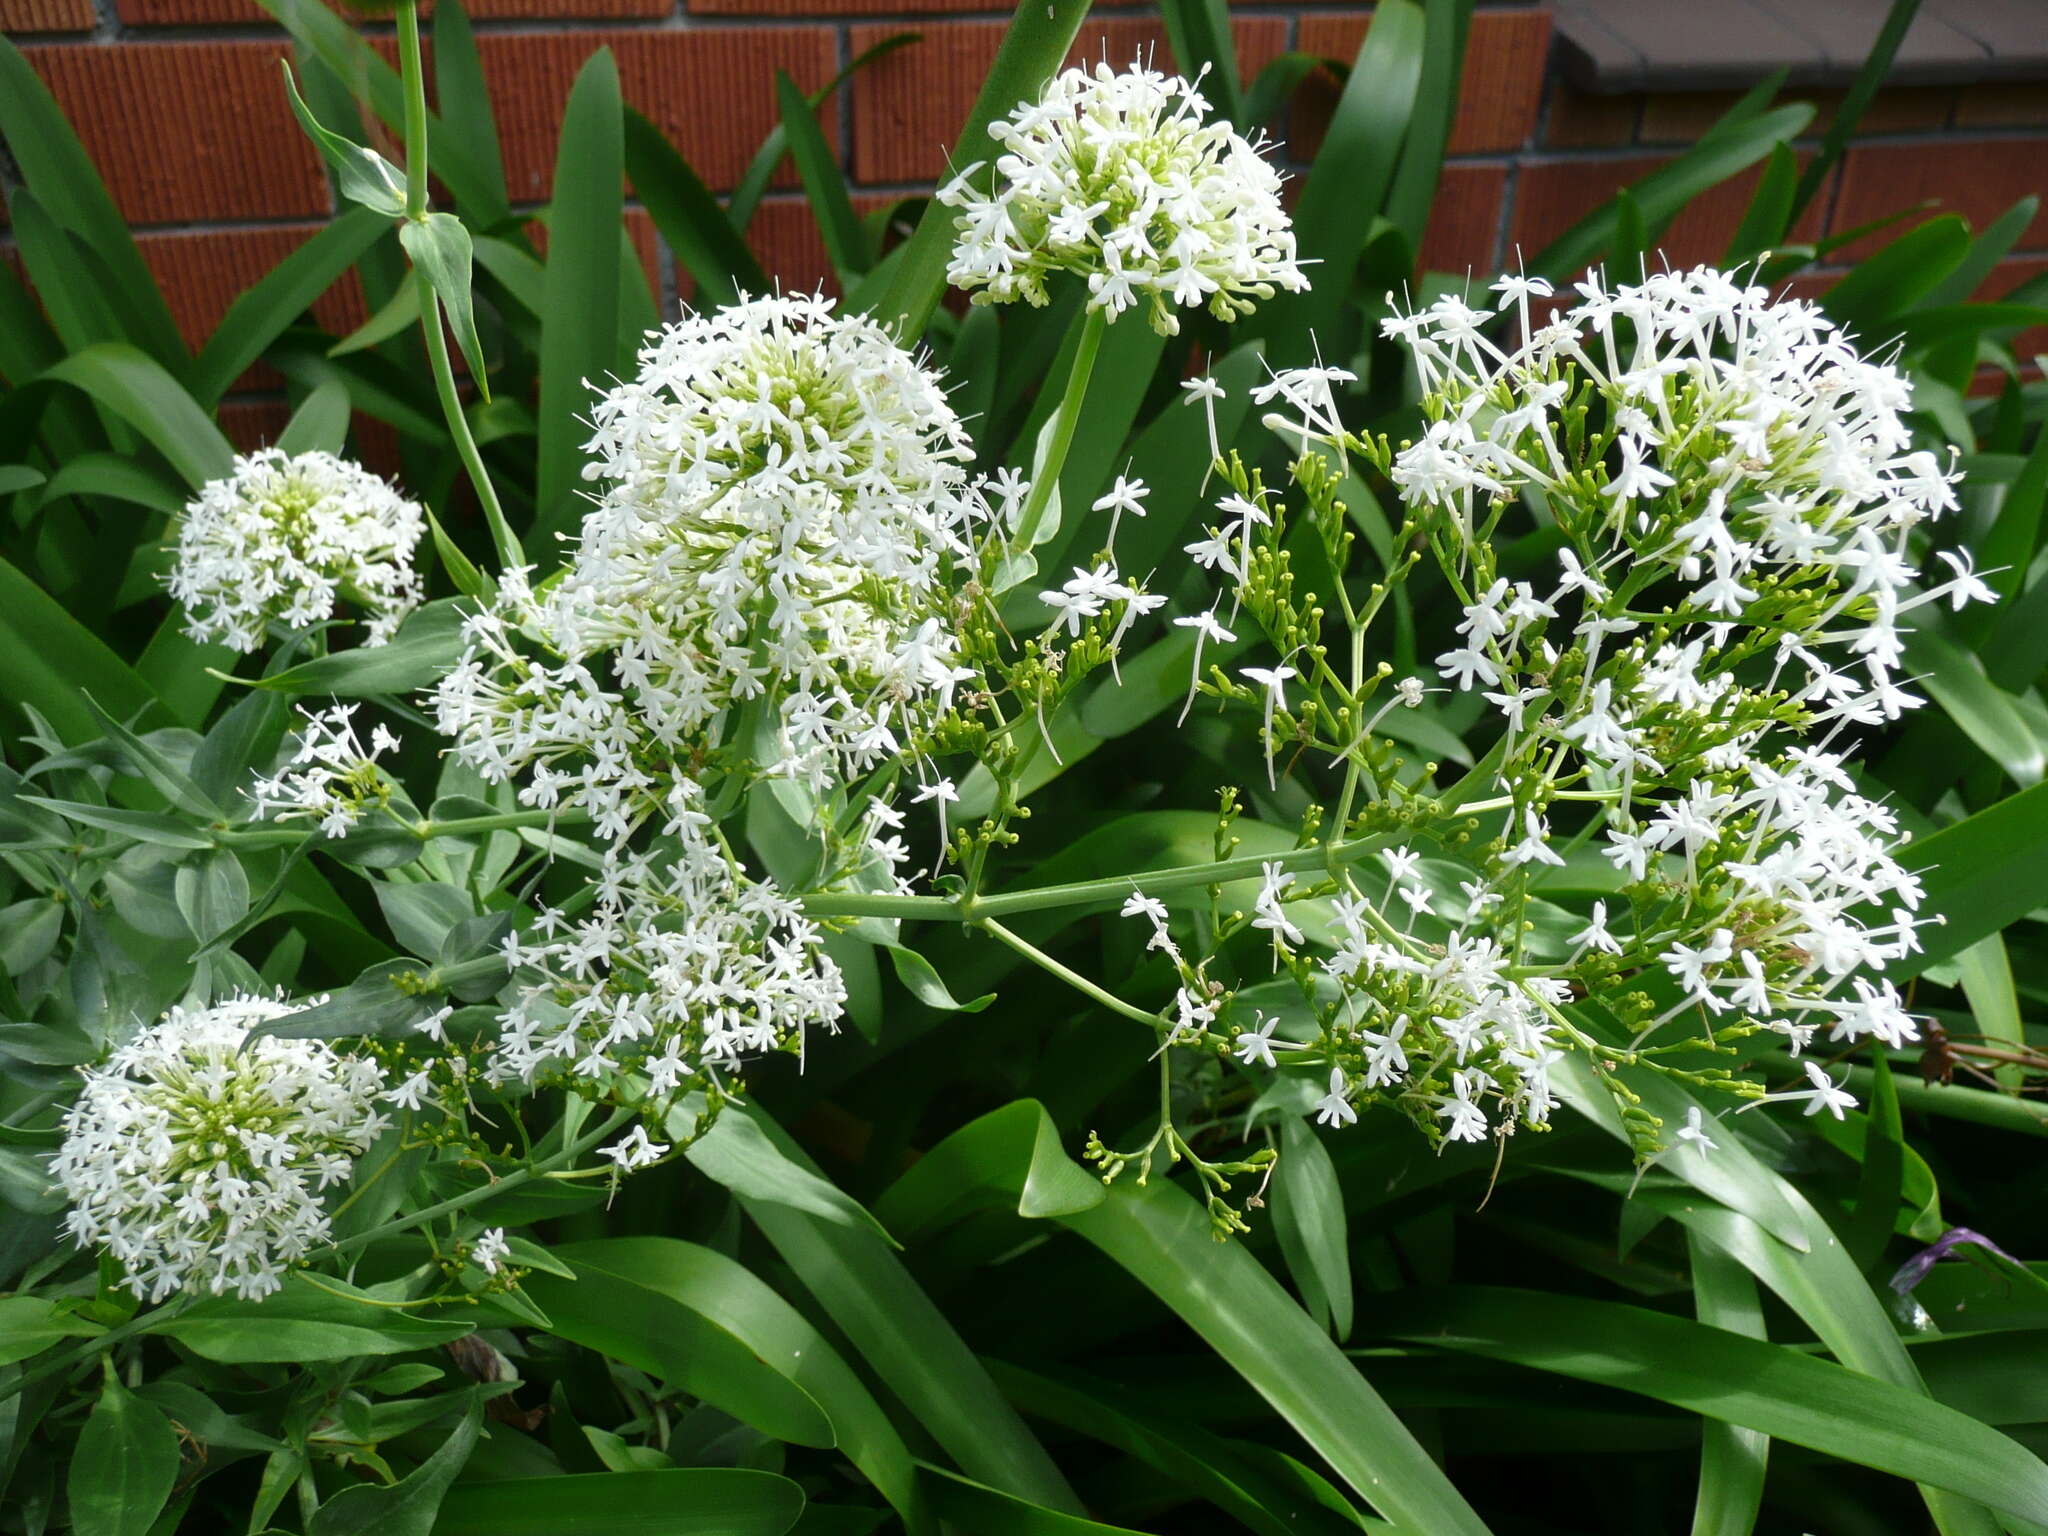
x=1045, y=474
x=413, y=74
x=1072, y=978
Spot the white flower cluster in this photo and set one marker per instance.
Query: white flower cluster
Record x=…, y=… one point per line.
x=785, y=499
x=284, y=540
x=198, y=1161
x=332, y=777
x=681, y=969
x=1735, y=490
x=1115, y=177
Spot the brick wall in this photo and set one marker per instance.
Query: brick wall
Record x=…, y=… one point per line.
x=178, y=102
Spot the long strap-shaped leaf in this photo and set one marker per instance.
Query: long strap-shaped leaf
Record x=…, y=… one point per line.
x=1162, y=1238
x=1033, y=46
x=907, y=1341
x=1786, y=1394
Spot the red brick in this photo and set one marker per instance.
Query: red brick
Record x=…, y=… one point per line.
x=47, y=16
x=711, y=91
x=1464, y=221
x=184, y=131
x=840, y=7
x=1978, y=178
x=1584, y=120
x=202, y=274
x=252, y=424
x=1498, y=93
x=1684, y=116
x=1552, y=196
x=1998, y=105
x=908, y=106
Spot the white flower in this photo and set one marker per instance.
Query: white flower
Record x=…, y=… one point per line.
x=1334, y=1107
x=634, y=1150
x=784, y=498
x=1693, y=1133
x=490, y=1250
x=1115, y=177
x=199, y=1162
x=331, y=778
x=284, y=540
x=1254, y=1047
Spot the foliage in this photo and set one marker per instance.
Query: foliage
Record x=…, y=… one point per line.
x=883, y=1280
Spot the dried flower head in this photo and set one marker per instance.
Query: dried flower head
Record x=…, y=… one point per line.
x=1115, y=177
x=283, y=540
x=198, y=1161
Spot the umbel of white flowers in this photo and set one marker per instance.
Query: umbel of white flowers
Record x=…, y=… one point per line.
x=784, y=499
x=283, y=540
x=1117, y=178
x=1733, y=488
x=197, y=1157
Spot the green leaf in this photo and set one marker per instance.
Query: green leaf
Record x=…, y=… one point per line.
x=364, y=176
x=1986, y=975
x=1849, y=111
x=409, y=1506
x=55, y=167
x=760, y=171
x=1769, y=215
x=908, y=1344
x=737, y=1153
x=1198, y=32
x=1348, y=183
x=136, y=388
x=1730, y=147
x=1446, y=25
x=1981, y=710
x=1983, y=874
x=846, y=243
x=124, y=1467
x=688, y=216
x=678, y=1501
x=1034, y=47
x=1986, y=251
x=916, y=973
x=466, y=119
x=31, y=1324
x=320, y=424
x=1164, y=1240
x=739, y=1303
x=1885, y=284
x=439, y=247
x=1777, y=1391
x=427, y=644
x=302, y=1322
x=259, y=316
x=580, y=303
x=107, y=474
x=53, y=661
x=986, y=1511
x=212, y=893
x=143, y=826
x=397, y=316
x=1732, y=1458
x=656, y=1328
x=1308, y=1218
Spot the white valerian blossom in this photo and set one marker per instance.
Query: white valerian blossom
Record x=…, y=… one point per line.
x=332, y=777
x=285, y=540
x=490, y=1250
x=679, y=970
x=1741, y=517
x=198, y=1158
x=783, y=500
x=1116, y=177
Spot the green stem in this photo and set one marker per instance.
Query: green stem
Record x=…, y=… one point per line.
x=413, y=73
x=511, y=1181
x=459, y=826
x=1072, y=978
x=1152, y=882
x=1045, y=475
